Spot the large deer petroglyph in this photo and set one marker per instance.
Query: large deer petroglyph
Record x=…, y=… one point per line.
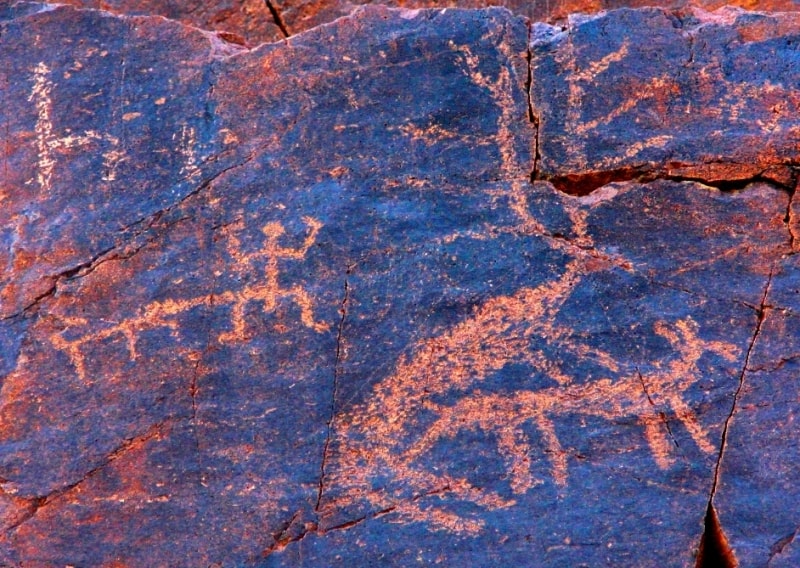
x=388, y=437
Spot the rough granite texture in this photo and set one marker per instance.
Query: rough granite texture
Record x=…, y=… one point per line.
x=413, y=287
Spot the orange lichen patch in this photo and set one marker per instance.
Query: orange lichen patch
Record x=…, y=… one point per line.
x=14, y=510
x=164, y=314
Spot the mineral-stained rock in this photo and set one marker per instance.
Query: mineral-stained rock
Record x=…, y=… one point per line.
x=258, y=21
x=299, y=15
x=303, y=304
x=239, y=21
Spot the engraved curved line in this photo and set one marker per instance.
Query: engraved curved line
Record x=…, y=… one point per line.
x=603, y=398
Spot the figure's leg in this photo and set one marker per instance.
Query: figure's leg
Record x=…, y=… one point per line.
x=237, y=320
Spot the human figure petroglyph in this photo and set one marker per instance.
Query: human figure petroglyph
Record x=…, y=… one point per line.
x=163, y=314
x=47, y=143
x=269, y=291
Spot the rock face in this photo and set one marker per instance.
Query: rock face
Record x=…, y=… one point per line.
x=695, y=101
x=259, y=21
x=413, y=287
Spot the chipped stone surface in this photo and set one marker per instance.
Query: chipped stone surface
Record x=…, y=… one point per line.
x=248, y=22
x=304, y=304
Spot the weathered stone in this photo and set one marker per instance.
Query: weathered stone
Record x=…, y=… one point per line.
x=103, y=131
x=636, y=94
x=756, y=488
x=303, y=305
x=239, y=21
x=300, y=15
x=258, y=21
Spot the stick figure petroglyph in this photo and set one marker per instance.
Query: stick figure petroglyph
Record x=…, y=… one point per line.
x=163, y=314
x=269, y=291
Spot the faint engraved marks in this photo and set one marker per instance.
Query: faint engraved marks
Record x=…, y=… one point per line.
x=48, y=143
x=264, y=263
x=187, y=143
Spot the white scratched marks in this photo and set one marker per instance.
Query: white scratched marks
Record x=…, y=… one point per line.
x=186, y=147
x=48, y=143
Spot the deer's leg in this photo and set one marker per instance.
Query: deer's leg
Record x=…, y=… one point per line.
x=513, y=445
x=689, y=420
x=654, y=431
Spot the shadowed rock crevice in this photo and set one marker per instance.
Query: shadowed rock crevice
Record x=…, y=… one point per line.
x=714, y=551
x=722, y=176
x=791, y=218
x=337, y=372
x=276, y=16
x=762, y=316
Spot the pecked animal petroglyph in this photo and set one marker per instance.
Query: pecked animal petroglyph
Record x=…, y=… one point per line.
x=603, y=398
x=162, y=314
x=387, y=435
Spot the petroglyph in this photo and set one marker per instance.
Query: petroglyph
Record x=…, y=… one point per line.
x=501, y=90
x=269, y=291
x=389, y=434
x=187, y=144
x=164, y=314
x=48, y=143
x=604, y=398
